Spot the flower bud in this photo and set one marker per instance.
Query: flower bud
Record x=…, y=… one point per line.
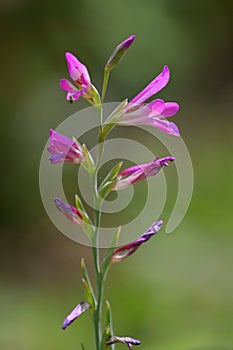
x=119, y=52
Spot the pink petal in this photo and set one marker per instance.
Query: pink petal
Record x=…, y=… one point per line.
x=76, y=68
x=165, y=125
x=135, y=115
x=157, y=106
x=73, y=96
x=127, y=42
x=57, y=158
x=164, y=161
x=63, y=148
x=171, y=108
x=133, y=169
x=123, y=183
x=73, y=93
x=60, y=141
x=156, y=85
x=76, y=95
x=69, y=211
x=67, y=86
x=140, y=172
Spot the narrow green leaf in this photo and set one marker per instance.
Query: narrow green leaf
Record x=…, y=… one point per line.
x=109, y=181
x=116, y=112
x=106, y=130
x=88, y=163
x=95, y=98
x=108, y=326
x=110, y=122
x=88, y=294
x=87, y=285
x=75, y=140
x=87, y=223
x=105, y=84
x=108, y=331
x=113, y=172
x=104, y=191
x=82, y=210
x=79, y=204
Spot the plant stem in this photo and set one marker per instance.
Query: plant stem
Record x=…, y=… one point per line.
x=95, y=245
x=105, y=84
x=95, y=250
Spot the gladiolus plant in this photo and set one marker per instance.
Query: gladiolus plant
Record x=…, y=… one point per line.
x=63, y=149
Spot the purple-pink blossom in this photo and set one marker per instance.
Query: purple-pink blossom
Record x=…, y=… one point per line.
x=63, y=149
x=79, y=74
x=69, y=211
x=137, y=173
x=138, y=112
x=128, y=249
x=75, y=313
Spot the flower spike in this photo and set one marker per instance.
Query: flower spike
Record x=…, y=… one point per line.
x=140, y=110
x=128, y=249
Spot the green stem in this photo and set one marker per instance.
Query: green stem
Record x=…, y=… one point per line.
x=101, y=139
x=95, y=249
x=96, y=326
x=105, y=84
x=95, y=245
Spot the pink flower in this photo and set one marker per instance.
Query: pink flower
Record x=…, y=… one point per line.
x=63, y=149
x=137, y=173
x=80, y=76
x=69, y=211
x=78, y=310
x=128, y=249
x=137, y=112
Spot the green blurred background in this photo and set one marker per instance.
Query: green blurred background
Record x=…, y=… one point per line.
x=177, y=291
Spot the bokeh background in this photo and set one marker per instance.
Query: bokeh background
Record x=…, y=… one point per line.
x=177, y=291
